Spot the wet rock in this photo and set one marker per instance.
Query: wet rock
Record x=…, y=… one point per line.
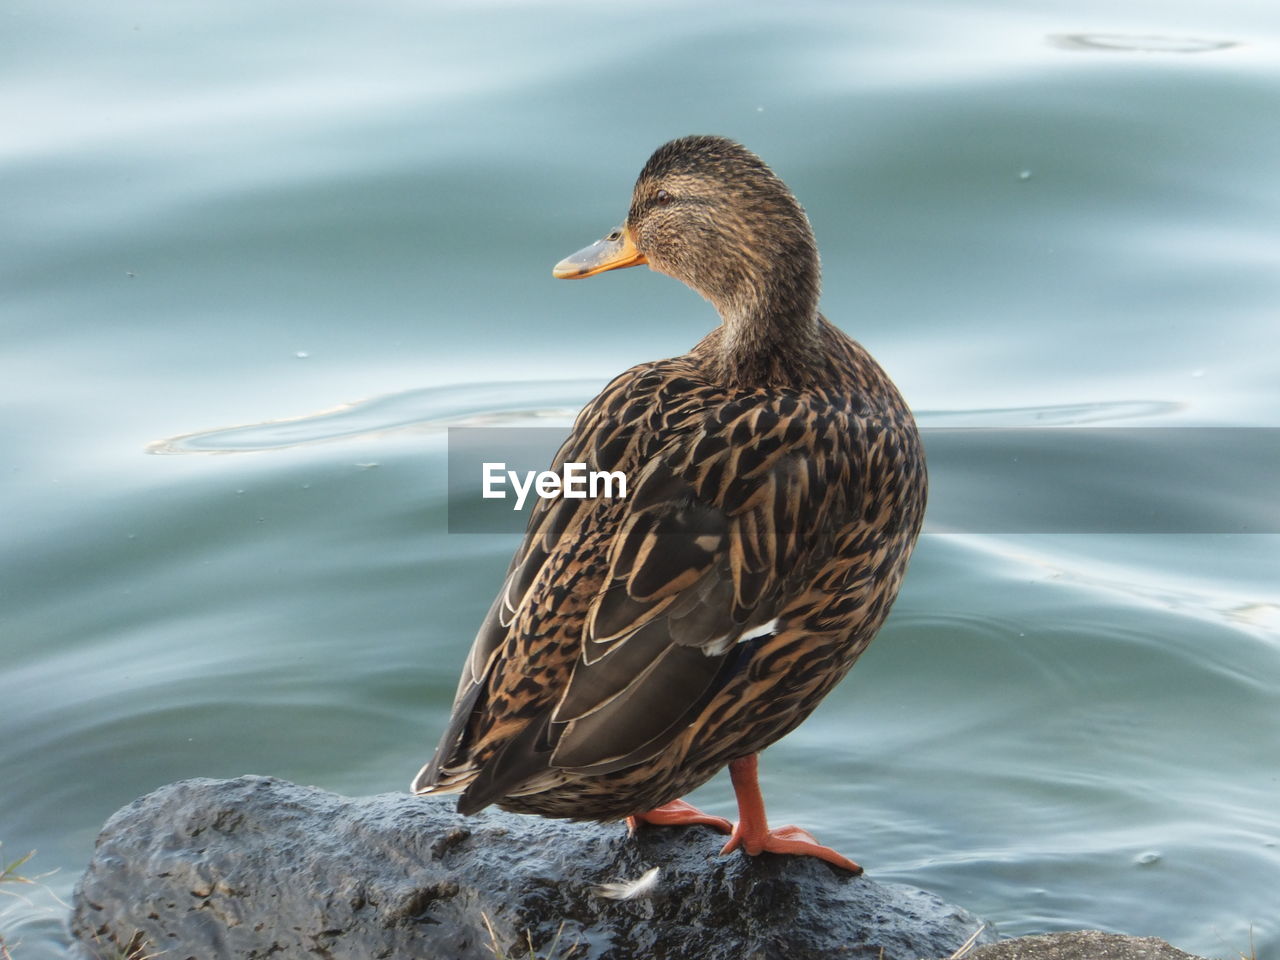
x=1080, y=945
x=257, y=867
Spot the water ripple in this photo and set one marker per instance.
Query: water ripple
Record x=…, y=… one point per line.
x=1061, y=414
x=1233, y=606
x=1137, y=43
x=533, y=403
x=475, y=404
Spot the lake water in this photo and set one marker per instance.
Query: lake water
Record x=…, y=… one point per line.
x=343, y=217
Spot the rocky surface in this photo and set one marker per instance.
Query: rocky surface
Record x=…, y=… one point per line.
x=1082, y=945
x=256, y=867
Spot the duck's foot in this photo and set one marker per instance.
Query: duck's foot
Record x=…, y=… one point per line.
x=677, y=813
x=752, y=832
x=790, y=840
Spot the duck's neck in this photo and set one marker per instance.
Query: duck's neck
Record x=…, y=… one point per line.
x=771, y=326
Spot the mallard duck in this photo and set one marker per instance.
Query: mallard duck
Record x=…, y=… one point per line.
x=776, y=487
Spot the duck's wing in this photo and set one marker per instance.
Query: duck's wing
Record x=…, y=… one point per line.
x=728, y=508
x=450, y=768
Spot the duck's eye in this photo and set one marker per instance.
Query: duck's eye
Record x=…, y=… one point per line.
x=663, y=198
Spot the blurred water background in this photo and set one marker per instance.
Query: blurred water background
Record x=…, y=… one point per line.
x=254, y=258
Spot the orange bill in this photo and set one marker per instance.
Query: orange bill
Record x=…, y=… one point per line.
x=615, y=251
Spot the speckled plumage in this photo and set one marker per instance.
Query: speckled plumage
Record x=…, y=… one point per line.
x=776, y=486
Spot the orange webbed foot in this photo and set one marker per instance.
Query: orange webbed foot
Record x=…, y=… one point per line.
x=787, y=840
x=752, y=832
x=677, y=813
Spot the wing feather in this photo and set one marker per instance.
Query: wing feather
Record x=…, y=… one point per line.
x=728, y=504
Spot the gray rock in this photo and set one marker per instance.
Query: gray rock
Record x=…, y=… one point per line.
x=1080, y=945
x=256, y=868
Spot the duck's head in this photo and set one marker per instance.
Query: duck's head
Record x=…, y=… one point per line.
x=708, y=212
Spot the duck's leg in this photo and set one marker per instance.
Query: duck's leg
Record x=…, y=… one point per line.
x=676, y=813
x=752, y=832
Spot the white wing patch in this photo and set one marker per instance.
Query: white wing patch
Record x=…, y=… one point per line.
x=761, y=631
x=713, y=648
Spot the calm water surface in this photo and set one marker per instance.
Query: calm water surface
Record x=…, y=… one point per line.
x=257, y=257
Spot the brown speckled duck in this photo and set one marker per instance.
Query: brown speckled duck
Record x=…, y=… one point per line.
x=776, y=486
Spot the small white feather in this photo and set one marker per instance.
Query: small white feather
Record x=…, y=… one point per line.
x=641, y=886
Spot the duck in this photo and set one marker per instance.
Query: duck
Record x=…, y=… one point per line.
x=775, y=488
